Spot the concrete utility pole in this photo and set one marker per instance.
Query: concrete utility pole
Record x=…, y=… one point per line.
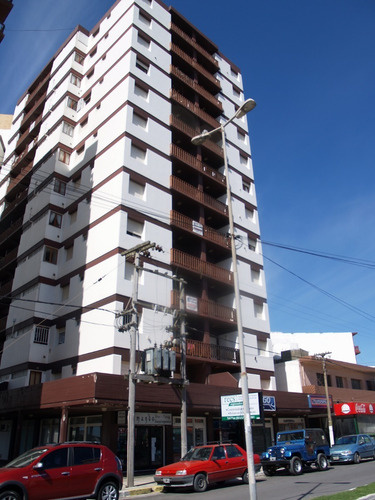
x=183, y=370
x=133, y=252
x=329, y=416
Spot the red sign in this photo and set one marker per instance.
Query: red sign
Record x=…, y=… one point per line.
x=353, y=408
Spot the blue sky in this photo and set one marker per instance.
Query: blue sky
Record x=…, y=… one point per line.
x=310, y=66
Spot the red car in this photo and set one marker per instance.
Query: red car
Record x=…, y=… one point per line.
x=204, y=465
x=67, y=470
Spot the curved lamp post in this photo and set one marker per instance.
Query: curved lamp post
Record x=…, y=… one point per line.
x=246, y=106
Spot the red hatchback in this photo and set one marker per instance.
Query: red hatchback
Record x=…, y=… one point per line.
x=207, y=464
x=62, y=471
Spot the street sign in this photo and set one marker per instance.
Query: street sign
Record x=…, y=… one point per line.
x=232, y=407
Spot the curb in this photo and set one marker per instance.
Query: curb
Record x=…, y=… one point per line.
x=141, y=491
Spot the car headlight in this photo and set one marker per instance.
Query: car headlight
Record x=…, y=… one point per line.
x=346, y=452
x=282, y=451
x=182, y=472
x=158, y=473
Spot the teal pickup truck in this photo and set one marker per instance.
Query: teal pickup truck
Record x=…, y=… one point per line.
x=296, y=449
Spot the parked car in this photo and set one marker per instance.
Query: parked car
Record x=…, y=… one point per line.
x=204, y=465
x=296, y=449
x=353, y=448
x=68, y=470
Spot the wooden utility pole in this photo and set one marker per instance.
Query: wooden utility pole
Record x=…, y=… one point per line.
x=329, y=416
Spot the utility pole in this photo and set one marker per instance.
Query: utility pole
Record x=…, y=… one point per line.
x=329, y=416
x=133, y=252
x=183, y=370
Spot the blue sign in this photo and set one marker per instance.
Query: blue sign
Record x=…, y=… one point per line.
x=269, y=403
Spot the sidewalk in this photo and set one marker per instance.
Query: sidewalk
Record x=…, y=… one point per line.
x=142, y=485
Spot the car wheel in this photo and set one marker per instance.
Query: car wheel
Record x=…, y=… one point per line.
x=269, y=471
x=108, y=491
x=10, y=495
x=356, y=458
x=322, y=462
x=245, y=477
x=200, y=483
x=295, y=466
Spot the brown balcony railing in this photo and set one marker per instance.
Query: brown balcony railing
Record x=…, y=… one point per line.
x=16, y=180
x=201, y=267
x=192, y=62
x=14, y=204
x=198, y=165
x=192, y=192
x=194, y=108
x=4, y=235
x=191, y=226
x=197, y=349
x=208, y=309
x=194, y=44
x=191, y=132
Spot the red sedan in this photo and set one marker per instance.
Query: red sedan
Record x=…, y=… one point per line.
x=208, y=464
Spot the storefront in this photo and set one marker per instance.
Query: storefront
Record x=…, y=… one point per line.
x=354, y=418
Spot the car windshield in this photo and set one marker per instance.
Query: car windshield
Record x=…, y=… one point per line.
x=347, y=440
x=26, y=458
x=289, y=436
x=197, y=454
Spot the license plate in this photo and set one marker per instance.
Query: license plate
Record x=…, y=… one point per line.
x=166, y=480
x=272, y=459
x=335, y=458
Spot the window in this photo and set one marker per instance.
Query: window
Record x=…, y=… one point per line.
x=139, y=120
x=85, y=428
x=249, y=213
x=258, y=310
x=87, y=98
x=93, y=52
x=236, y=91
x=144, y=18
x=50, y=255
x=85, y=455
x=244, y=160
x=138, y=153
x=69, y=252
x=35, y=377
x=89, y=75
x=233, y=452
x=370, y=385
x=241, y=136
x=72, y=103
x=140, y=91
x=68, y=129
x=64, y=156
x=79, y=58
x=320, y=380
x=75, y=80
x=55, y=219
x=61, y=336
x=55, y=459
x=356, y=383
x=59, y=186
x=255, y=276
x=142, y=65
x=73, y=216
x=142, y=40
x=339, y=382
x=252, y=244
x=41, y=335
x=65, y=292
x=136, y=189
x=246, y=186
x=134, y=228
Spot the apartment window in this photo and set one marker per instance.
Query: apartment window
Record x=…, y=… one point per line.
x=370, y=385
x=41, y=335
x=96, y=32
x=144, y=18
x=87, y=98
x=249, y=213
x=252, y=244
x=89, y=75
x=139, y=120
x=241, y=136
x=50, y=255
x=85, y=122
x=339, y=382
x=64, y=156
x=246, y=186
x=93, y=52
x=142, y=40
x=75, y=80
x=137, y=190
x=79, y=58
x=134, y=228
x=236, y=91
x=35, y=377
x=234, y=72
x=244, y=160
x=55, y=219
x=356, y=383
x=73, y=216
x=255, y=276
x=68, y=129
x=72, y=103
x=138, y=153
x=142, y=65
x=259, y=310
x=69, y=252
x=61, y=336
x=320, y=380
x=80, y=150
x=65, y=292
x=140, y=91
x=59, y=186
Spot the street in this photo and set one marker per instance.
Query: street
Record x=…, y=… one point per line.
x=311, y=484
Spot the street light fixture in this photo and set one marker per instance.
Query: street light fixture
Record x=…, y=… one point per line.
x=246, y=106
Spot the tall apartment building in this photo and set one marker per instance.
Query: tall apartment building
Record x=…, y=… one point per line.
x=100, y=160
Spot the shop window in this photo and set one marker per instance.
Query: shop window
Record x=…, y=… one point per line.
x=85, y=428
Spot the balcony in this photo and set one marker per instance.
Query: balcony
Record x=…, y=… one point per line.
x=194, y=108
x=192, y=192
x=190, y=132
x=8, y=259
x=200, y=267
x=11, y=230
x=208, y=309
x=211, y=60
x=15, y=184
x=199, y=166
x=15, y=203
x=210, y=352
x=192, y=227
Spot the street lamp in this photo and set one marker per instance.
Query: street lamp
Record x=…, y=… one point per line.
x=246, y=106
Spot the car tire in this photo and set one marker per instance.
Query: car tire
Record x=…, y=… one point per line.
x=245, y=477
x=108, y=491
x=356, y=458
x=322, y=462
x=10, y=495
x=295, y=466
x=269, y=471
x=200, y=483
